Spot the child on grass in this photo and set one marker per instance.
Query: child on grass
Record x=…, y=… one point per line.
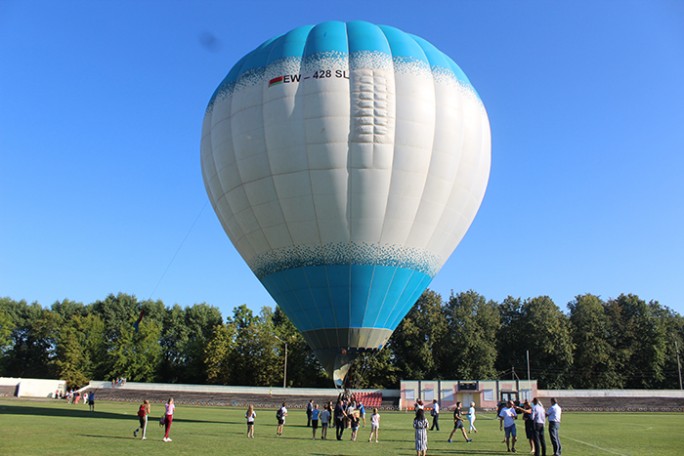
x=250, y=415
x=375, y=425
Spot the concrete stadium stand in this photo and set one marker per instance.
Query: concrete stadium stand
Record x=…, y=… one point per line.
x=233, y=396
x=615, y=400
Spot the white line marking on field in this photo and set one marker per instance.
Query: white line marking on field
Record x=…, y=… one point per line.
x=594, y=446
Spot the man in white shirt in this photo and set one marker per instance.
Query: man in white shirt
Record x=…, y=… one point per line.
x=554, y=414
x=507, y=417
x=435, y=415
x=309, y=412
x=538, y=418
x=280, y=417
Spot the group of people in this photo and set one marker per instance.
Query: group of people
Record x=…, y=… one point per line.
x=534, y=416
x=346, y=413
x=119, y=381
x=74, y=397
x=167, y=418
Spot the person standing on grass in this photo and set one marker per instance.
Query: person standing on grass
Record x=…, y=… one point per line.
x=325, y=421
x=280, y=416
x=471, y=418
x=309, y=412
x=375, y=425
x=420, y=424
x=458, y=424
x=507, y=417
x=354, y=419
x=143, y=412
x=250, y=415
x=315, y=415
x=91, y=401
x=435, y=415
x=539, y=418
x=169, y=408
x=526, y=411
x=554, y=414
x=351, y=408
x=362, y=411
x=339, y=416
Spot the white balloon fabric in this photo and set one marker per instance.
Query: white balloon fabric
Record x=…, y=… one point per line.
x=345, y=161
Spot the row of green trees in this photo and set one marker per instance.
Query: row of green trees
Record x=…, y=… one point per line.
x=617, y=343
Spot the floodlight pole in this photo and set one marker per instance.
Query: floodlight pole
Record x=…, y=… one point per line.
x=285, y=364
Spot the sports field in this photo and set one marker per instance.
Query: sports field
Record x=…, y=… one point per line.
x=46, y=428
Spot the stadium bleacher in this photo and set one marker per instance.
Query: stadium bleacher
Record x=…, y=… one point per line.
x=370, y=400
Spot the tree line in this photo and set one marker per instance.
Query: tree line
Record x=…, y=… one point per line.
x=624, y=342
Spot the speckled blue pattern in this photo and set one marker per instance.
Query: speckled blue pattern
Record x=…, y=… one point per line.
x=298, y=256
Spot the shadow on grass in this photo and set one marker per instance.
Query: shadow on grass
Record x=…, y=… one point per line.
x=75, y=413
x=58, y=412
x=470, y=451
x=107, y=437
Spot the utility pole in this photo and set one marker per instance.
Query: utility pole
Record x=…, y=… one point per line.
x=285, y=368
x=285, y=364
x=679, y=366
x=528, y=364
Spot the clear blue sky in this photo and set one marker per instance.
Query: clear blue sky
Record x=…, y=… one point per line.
x=101, y=105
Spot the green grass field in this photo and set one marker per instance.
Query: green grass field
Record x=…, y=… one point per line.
x=50, y=428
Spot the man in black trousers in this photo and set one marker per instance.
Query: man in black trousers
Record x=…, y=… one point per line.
x=539, y=418
x=339, y=416
x=435, y=415
x=309, y=412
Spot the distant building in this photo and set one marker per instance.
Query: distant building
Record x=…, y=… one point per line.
x=485, y=393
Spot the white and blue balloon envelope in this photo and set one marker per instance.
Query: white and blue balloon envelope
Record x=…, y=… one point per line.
x=345, y=161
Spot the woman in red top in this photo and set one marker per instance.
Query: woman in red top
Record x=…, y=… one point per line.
x=143, y=412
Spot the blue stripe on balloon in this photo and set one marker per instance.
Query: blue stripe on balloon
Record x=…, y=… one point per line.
x=338, y=38
x=414, y=288
x=403, y=46
x=436, y=58
x=290, y=44
x=439, y=60
x=326, y=38
x=346, y=296
x=367, y=37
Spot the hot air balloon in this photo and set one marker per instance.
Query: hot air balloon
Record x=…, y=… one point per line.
x=345, y=162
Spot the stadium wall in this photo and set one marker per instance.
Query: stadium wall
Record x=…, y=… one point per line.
x=488, y=393
x=625, y=394
x=483, y=393
x=616, y=400
x=31, y=387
